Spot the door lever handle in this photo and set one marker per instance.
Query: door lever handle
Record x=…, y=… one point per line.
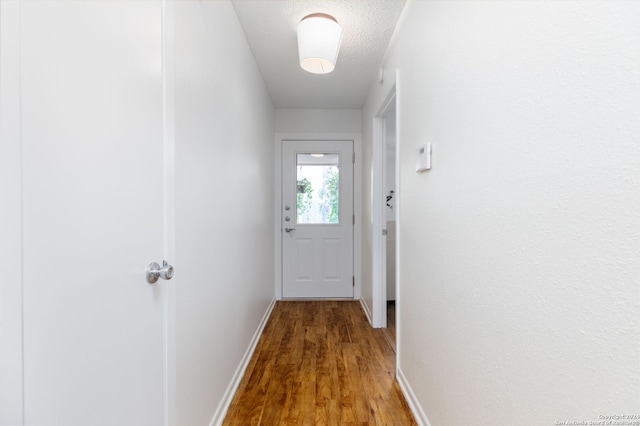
x=154, y=272
x=289, y=229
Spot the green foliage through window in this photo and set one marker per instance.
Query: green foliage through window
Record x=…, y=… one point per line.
x=317, y=189
x=304, y=193
x=329, y=195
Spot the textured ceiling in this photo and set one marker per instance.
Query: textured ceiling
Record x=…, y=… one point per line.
x=270, y=28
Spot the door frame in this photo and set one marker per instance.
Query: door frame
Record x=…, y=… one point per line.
x=379, y=240
x=11, y=253
x=357, y=202
x=169, y=213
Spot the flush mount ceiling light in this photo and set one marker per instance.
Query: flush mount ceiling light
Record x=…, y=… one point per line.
x=319, y=37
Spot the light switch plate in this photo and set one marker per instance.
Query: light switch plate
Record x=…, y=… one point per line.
x=423, y=159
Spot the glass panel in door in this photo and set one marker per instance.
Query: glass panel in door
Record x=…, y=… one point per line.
x=317, y=188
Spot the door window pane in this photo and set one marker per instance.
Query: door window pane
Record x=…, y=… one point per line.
x=318, y=181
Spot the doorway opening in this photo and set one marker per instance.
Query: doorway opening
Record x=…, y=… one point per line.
x=390, y=191
x=385, y=214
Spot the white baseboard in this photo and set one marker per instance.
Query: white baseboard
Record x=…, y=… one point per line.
x=221, y=411
x=416, y=408
x=367, y=311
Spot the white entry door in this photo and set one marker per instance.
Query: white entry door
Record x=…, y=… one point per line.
x=91, y=131
x=317, y=219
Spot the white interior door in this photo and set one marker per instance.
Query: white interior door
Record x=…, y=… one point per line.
x=92, y=155
x=317, y=219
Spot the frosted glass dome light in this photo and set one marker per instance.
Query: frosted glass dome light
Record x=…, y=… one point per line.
x=319, y=38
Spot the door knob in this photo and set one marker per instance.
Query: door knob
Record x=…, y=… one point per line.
x=154, y=271
x=289, y=229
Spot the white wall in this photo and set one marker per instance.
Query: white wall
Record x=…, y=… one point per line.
x=318, y=120
x=224, y=206
x=519, y=265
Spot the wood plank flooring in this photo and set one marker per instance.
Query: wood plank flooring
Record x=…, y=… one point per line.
x=390, y=331
x=320, y=363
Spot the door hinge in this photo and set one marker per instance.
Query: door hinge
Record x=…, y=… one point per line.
x=353, y=283
x=354, y=219
x=353, y=158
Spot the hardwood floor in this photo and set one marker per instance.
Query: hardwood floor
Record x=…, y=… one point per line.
x=390, y=331
x=320, y=363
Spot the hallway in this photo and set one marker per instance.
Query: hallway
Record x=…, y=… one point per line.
x=319, y=362
x=139, y=132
